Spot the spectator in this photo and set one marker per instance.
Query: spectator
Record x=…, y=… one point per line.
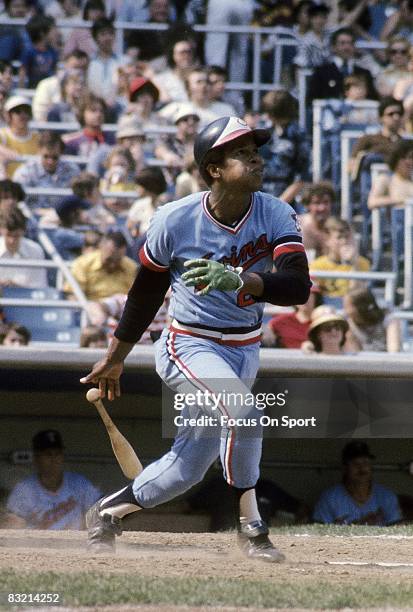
x=217, y=79
x=6, y=76
x=16, y=138
x=120, y=171
x=403, y=88
x=12, y=197
x=327, y=332
x=151, y=185
x=107, y=270
x=369, y=327
x=15, y=334
x=52, y=498
x=397, y=54
x=394, y=190
x=327, y=80
x=197, y=86
x=358, y=500
x=14, y=39
x=129, y=135
x=39, y=61
x=119, y=177
x=81, y=38
x=152, y=45
x=91, y=116
x=143, y=96
x=225, y=49
x=313, y=49
x=289, y=330
x=13, y=245
x=341, y=256
x=319, y=200
x=189, y=181
x=356, y=90
x=399, y=23
x=71, y=213
x=72, y=87
x=49, y=91
x=181, y=57
x=287, y=154
x=86, y=187
x=93, y=337
x=301, y=18
x=177, y=149
x=381, y=144
x=107, y=312
x=102, y=72
x=47, y=169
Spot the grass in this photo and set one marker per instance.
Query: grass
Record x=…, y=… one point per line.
x=95, y=589
x=344, y=530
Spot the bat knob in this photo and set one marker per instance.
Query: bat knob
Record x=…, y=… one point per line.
x=93, y=395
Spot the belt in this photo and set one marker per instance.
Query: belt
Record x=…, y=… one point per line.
x=226, y=337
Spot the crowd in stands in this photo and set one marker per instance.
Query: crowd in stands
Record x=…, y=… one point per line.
x=106, y=120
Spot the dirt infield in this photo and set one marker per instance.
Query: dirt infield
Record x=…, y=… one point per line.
x=310, y=558
x=209, y=555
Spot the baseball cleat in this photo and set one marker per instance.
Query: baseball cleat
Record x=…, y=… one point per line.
x=255, y=544
x=102, y=530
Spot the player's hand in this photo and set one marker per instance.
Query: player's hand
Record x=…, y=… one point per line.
x=212, y=275
x=106, y=376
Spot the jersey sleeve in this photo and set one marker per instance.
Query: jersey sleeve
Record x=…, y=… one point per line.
x=391, y=507
x=19, y=501
x=155, y=254
x=287, y=238
x=323, y=511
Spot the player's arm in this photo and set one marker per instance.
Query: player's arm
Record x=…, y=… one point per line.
x=289, y=285
x=144, y=300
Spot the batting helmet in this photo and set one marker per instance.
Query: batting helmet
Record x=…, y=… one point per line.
x=221, y=131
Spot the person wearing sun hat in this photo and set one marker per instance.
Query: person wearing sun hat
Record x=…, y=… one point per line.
x=327, y=331
x=16, y=138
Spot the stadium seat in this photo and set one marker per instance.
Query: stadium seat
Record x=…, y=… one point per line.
x=26, y=293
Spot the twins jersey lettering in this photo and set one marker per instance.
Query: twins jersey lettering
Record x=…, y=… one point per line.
x=185, y=230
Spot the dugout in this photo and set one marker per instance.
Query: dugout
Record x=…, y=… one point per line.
x=39, y=388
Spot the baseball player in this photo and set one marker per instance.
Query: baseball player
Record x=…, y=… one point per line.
x=217, y=250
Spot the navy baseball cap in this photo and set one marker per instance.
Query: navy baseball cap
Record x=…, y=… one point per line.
x=224, y=130
x=49, y=438
x=355, y=449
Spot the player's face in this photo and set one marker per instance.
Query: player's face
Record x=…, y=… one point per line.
x=243, y=165
x=359, y=470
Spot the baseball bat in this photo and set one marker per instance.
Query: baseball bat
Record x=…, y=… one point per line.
x=124, y=453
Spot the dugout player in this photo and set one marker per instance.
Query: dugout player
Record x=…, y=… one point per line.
x=217, y=250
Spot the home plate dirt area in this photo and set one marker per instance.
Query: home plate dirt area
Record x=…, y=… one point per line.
x=334, y=561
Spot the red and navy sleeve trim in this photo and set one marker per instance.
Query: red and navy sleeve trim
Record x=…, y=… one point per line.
x=287, y=245
x=149, y=261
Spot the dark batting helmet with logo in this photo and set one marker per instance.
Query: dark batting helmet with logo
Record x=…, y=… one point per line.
x=220, y=132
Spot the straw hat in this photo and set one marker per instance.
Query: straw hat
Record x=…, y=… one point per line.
x=325, y=314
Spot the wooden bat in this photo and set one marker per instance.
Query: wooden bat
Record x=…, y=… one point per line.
x=124, y=453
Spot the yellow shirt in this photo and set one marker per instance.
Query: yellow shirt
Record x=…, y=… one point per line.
x=337, y=287
x=96, y=282
x=28, y=145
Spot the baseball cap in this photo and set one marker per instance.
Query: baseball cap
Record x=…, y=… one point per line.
x=139, y=84
x=15, y=101
x=185, y=110
x=69, y=204
x=224, y=130
x=128, y=126
x=49, y=438
x=355, y=449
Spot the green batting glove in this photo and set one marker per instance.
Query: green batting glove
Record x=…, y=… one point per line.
x=212, y=275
